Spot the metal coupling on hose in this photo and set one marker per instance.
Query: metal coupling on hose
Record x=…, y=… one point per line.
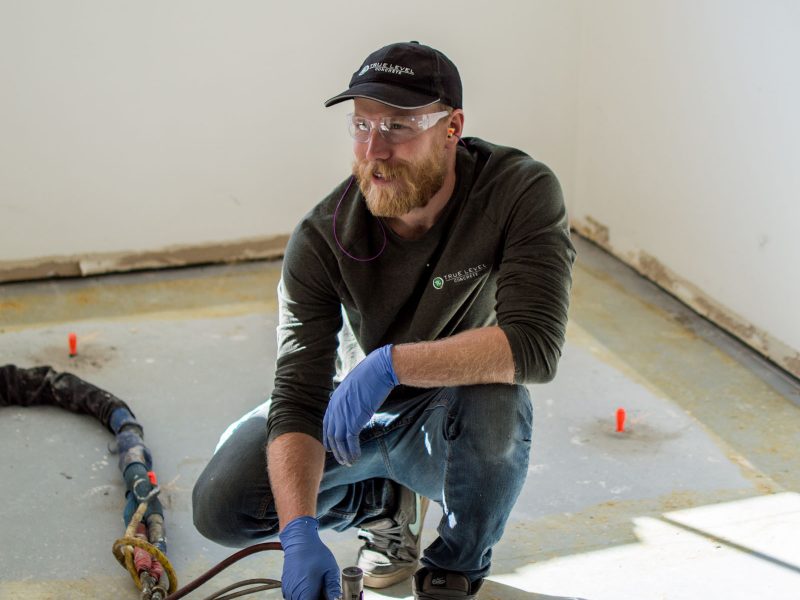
x=352, y=583
x=147, y=582
x=151, y=589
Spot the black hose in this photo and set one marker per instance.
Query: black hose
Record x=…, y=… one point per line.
x=187, y=589
x=43, y=385
x=39, y=386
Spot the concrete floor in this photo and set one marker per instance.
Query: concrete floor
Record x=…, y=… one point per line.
x=699, y=498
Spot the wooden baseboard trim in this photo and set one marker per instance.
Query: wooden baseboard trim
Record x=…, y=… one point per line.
x=648, y=266
x=262, y=248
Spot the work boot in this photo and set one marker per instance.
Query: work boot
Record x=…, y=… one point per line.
x=391, y=551
x=443, y=585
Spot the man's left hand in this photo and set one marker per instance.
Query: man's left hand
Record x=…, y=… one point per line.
x=355, y=401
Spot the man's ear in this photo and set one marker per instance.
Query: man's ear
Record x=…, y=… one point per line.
x=456, y=126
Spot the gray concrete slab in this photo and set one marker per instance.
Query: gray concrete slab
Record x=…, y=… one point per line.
x=710, y=429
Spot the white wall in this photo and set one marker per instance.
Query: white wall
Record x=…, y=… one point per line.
x=673, y=126
x=688, y=155
x=140, y=125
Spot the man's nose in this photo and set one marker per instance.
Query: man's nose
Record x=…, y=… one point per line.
x=377, y=147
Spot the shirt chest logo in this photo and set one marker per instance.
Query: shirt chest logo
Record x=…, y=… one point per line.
x=459, y=276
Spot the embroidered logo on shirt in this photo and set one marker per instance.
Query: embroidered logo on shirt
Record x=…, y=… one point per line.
x=459, y=276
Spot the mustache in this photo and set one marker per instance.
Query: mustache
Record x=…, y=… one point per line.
x=365, y=169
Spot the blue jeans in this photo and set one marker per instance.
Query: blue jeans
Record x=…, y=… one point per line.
x=465, y=448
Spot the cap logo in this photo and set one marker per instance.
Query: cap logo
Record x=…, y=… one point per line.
x=386, y=68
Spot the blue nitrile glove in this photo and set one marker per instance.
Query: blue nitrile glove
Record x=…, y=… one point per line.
x=355, y=401
x=310, y=571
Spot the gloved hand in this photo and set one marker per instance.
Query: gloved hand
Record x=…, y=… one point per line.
x=355, y=401
x=310, y=571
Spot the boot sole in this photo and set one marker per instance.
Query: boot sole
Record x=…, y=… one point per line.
x=384, y=581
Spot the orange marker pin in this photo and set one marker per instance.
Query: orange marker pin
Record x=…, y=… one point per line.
x=620, y=419
x=73, y=344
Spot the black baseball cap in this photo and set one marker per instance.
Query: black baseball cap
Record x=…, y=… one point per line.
x=405, y=75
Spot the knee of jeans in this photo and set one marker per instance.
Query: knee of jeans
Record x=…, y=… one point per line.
x=497, y=420
x=207, y=511
x=218, y=515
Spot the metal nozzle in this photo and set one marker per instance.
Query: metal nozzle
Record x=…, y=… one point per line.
x=352, y=583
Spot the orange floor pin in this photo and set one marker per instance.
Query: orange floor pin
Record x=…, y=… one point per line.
x=73, y=344
x=620, y=419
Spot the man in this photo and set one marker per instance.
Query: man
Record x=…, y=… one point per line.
x=442, y=278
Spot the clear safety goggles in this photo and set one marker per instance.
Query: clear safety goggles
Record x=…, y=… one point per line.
x=394, y=130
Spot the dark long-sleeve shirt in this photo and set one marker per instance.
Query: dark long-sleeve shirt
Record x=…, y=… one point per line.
x=499, y=254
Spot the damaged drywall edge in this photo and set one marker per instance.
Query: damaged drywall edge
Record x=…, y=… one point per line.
x=650, y=267
x=261, y=248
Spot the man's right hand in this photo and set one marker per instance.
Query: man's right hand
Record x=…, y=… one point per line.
x=310, y=571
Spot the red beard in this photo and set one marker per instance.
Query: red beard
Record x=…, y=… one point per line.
x=403, y=186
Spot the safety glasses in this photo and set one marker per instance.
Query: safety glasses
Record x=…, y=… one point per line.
x=395, y=130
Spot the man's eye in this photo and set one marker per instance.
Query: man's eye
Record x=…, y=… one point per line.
x=361, y=125
x=397, y=126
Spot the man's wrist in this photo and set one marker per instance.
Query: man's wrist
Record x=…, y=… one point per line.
x=397, y=356
x=299, y=526
x=294, y=516
x=308, y=519
x=390, y=370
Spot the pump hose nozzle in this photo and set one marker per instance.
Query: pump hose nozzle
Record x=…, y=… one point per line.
x=352, y=583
